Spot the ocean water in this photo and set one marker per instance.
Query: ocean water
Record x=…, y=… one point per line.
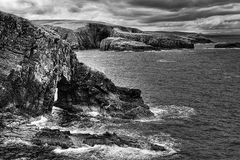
x=195, y=95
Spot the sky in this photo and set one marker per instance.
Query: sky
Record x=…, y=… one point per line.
x=202, y=16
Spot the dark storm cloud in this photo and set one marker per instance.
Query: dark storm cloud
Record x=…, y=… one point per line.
x=41, y=11
x=74, y=10
x=187, y=16
x=130, y=13
x=26, y=2
x=175, y=5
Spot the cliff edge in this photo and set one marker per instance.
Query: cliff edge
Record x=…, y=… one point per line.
x=93, y=35
x=36, y=64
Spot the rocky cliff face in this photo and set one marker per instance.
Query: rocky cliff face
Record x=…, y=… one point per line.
x=35, y=61
x=32, y=60
x=90, y=35
x=157, y=41
x=121, y=44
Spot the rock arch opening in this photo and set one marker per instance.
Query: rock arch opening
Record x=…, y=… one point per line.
x=63, y=94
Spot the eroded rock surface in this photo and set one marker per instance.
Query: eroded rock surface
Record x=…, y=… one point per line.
x=66, y=140
x=121, y=44
x=32, y=59
x=88, y=35
x=157, y=41
x=35, y=61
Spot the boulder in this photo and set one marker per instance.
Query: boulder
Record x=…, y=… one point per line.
x=121, y=44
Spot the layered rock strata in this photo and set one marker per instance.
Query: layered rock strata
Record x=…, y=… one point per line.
x=90, y=35
x=121, y=44
x=35, y=61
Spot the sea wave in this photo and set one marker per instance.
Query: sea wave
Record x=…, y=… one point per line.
x=173, y=111
x=40, y=122
x=17, y=141
x=112, y=153
x=162, y=112
x=165, y=61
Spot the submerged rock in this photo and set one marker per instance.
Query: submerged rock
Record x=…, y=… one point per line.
x=228, y=45
x=121, y=44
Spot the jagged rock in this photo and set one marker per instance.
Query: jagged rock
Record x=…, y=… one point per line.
x=121, y=44
x=26, y=152
x=228, y=45
x=93, y=88
x=53, y=138
x=34, y=61
x=66, y=140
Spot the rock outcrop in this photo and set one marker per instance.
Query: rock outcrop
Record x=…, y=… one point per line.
x=89, y=36
x=35, y=61
x=65, y=139
x=155, y=40
x=121, y=44
x=228, y=45
x=32, y=60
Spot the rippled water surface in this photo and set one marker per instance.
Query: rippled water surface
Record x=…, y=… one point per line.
x=194, y=94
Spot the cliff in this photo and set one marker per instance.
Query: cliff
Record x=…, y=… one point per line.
x=36, y=63
x=32, y=59
x=228, y=45
x=121, y=44
x=89, y=35
x=84, y=35
x=157, y=41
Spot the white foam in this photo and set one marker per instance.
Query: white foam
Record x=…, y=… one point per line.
x=231, y=75
x=93, y=113
x=158, y=115
x=17, y=141
x=86, y=131
x=113, y=152
x=165, y=61
x=173, y=111
x=56, y=95
x=40, y=123
x=168, y=111
x=152, y=51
